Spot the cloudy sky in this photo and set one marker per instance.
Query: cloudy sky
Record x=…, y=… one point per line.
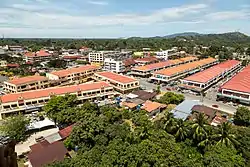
x=121, y=18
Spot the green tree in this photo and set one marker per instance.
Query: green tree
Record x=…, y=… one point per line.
x=168, y=121
x=225, y=136
x=15, y=127
x=248, y=51
x=200, y=128
x=57, y=63
x=242, y=116
x=180, y=130
x=171, y=98
x=58, y=105
x=222, y=156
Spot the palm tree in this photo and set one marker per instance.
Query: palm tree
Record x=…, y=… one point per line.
x=225, y=136
x=169, y=121
x=180, y=130
x=200, y=127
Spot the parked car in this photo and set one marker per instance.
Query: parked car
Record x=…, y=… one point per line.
x=215, y=106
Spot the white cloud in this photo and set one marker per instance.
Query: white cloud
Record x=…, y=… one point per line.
x=93, y=2
x=228, y=15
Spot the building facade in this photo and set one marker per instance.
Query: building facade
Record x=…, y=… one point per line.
x=174, y=73
x=113, y=65
x=41, y=55
x=25, y=84
x=237, y=89
x=99, y=56
x=33, y=100
x=75, y=75
x=121, y=83
x=204, y=79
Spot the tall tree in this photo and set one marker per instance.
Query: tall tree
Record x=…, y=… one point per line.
x=200, y=128
x=15, y=127
x=225, y=136
x=242, y=116
x=180, y=130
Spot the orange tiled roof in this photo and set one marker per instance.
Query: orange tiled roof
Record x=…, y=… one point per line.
x=116, y=77
x=41, y=53
x=63, y=73
x=210, y=73
x=129, y=104
x=150, y=106
x=164, y=64
x=185, y=67
x=29, y=79
x=52, y=91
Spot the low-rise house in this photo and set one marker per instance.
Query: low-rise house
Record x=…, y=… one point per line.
x=146, y=60
x=184, y=109
x=142, y=94
x=153, y=107
x=121, y=83
x=73, y=75
x=46, y=153
x=25, y=84
x=41, y=55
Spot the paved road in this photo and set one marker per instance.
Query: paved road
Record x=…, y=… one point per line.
x=209, y=100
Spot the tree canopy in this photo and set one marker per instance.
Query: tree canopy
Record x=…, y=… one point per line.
x=242, y=116
x=171, y=98
x=110, y=136
x=15, y=127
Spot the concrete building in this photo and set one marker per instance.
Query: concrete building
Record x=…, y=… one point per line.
x=41, y=55
x=25, y=84
x=165, y=54
x=33, y=100
x=73, y=75
x=204, y=79
x=99, y=56
x=236, y=89
x=121, y=83
x=174, y=73
x=146, y=60
x=148, y=70
x=113, y=65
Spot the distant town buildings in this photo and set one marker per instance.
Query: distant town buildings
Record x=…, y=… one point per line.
x=99, y=56
x=41, y=55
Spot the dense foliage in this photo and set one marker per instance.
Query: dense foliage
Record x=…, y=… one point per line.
x=57, y=63
x=15, y=127
x=242, y=116
x=108, y=136
x=171, y=98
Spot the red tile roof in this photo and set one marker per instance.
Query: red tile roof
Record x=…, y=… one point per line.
x=53, y=152
x=150, y=106
x=71, y=57
x=29, y=79
x=240, y=82
x=210, y=73
x=13, y=65
x=39, y=145
x=116, y=77
x=147, y=59
x=52, y=91
x=41, y=53
x=129, y=62
x=185, y=67
x=63, y=73
x=64, y=133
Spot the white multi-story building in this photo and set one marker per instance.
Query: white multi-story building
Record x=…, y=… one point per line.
x=166, y=53
x=114, y=65
x=99, y=56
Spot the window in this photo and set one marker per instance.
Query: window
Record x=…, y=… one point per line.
x=28, y=103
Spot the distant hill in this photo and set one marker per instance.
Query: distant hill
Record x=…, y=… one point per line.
x=185, y=34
